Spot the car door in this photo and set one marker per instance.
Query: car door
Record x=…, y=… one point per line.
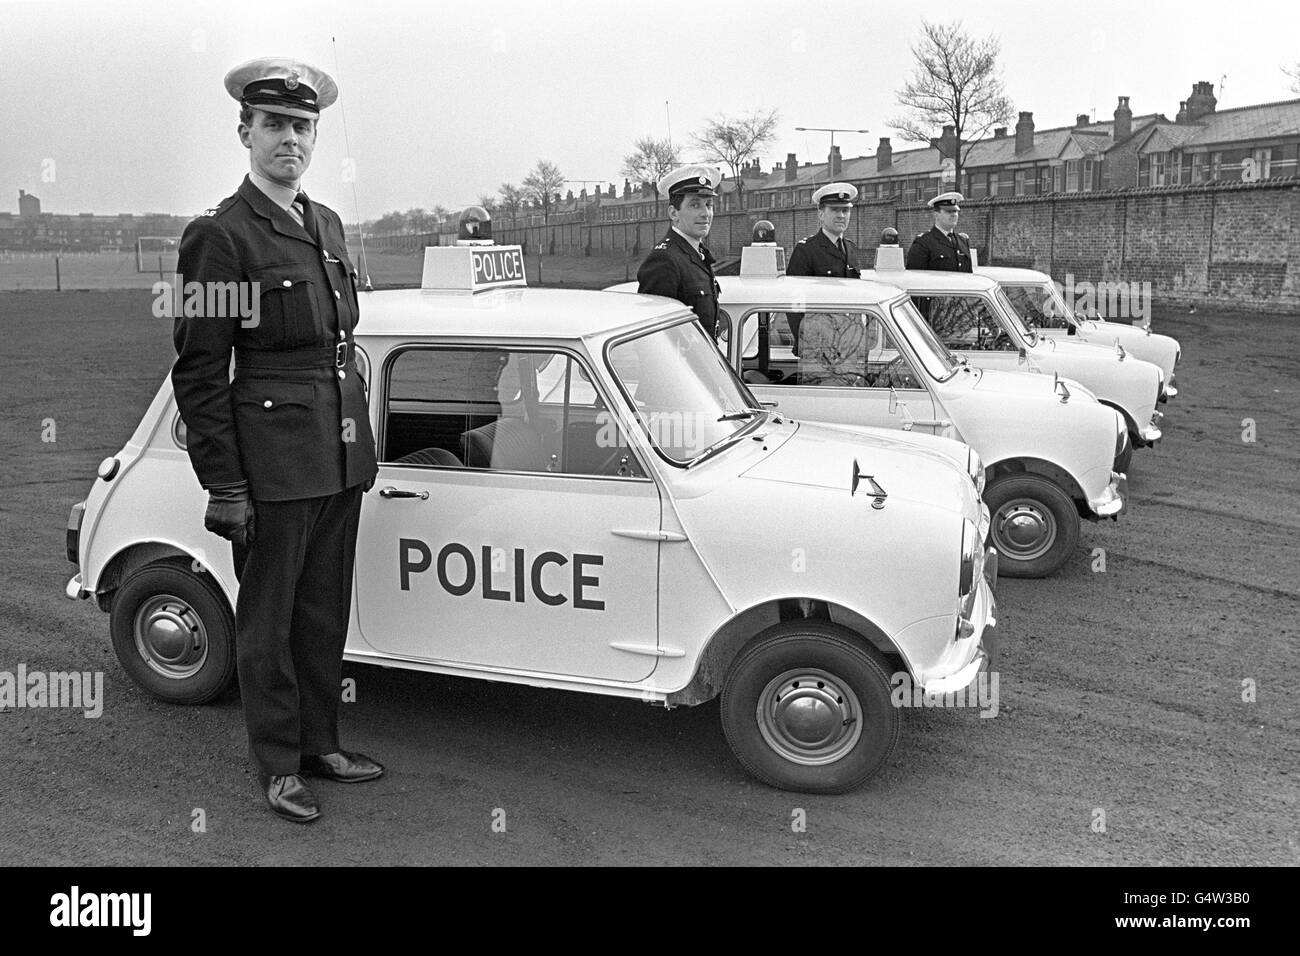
x=505, y=531
x=834, y=365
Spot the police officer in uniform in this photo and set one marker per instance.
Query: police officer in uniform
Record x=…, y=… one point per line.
x=942, y=248
x=285, y=449
x=681, y=266
x=827, y=252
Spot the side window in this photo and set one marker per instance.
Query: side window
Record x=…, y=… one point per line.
x=826, y=349
x=963, y=322
x=501, y=410
x=1035, y=306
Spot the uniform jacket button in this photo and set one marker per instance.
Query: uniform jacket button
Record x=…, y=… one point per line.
x=267, y=403
x=287, y=283
x=337, y=295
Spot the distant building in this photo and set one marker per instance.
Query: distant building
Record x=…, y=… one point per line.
x=33, y=230
x=1201, y=144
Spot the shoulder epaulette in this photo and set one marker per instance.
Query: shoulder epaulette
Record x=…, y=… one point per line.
x=662, y=245
x=801, y=241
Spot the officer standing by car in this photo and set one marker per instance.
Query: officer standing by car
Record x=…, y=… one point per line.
x=942, y=248
x=827, y=252
x=681, y=266
x=285, y=449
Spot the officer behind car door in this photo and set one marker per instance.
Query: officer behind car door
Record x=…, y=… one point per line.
x=827, y=252
x=681, y=266
x=284, y=449
x=942, y=248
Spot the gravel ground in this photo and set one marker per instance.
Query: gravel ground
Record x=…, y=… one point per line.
x=1121, y=692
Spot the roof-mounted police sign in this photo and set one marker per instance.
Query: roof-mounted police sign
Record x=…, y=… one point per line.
x=472, y=268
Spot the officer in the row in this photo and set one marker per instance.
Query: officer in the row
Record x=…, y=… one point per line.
x=942, y=248
x=681, y=266
x=284, y=450
x=827, y=252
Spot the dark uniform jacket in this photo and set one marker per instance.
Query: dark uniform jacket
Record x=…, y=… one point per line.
x=818, y=256
x=934, y=250
x=297, y=429
x=676, y=270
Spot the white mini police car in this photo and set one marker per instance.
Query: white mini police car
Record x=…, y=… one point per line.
x=576, y=491
x=972, y=316
x=1041, y=307
x=867, y=359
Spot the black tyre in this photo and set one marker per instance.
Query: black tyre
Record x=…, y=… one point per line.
x=174, y=633
x=1035, y=525
x=806, y=707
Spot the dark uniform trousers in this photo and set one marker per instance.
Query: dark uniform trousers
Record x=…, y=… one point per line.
x=674, y=269
x=818, y=256
x=299, y=433
x=291, y=624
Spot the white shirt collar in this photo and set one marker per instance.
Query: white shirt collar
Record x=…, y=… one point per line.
x=695, y=243
x=278, y=193
x=834, y=239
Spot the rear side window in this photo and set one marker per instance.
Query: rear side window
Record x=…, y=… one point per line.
x=497, y=409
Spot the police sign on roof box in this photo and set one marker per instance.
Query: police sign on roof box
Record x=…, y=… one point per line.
x=472, y=268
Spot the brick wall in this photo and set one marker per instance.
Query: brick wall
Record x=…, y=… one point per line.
x=1230, y=245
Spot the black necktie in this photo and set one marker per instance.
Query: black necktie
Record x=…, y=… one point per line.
x=308, y=217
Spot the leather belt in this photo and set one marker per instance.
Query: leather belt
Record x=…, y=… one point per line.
x=325, y=356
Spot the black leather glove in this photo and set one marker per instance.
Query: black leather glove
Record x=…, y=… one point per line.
x=230, y=513
x=370, y=483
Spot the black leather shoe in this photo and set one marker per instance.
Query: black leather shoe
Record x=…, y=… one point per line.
x=344, y=767
x=289, y=797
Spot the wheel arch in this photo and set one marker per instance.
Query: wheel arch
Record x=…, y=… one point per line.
x=731, y=638
x=135, y=556
x=1044, y=469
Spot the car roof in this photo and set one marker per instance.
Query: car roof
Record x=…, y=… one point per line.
x=783, y=288
x=516, y=312
x=1008, y=274
x=931, y=279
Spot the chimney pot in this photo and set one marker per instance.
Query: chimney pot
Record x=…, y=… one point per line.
x=1025, y=132
x=884, y=154
x=791, y=167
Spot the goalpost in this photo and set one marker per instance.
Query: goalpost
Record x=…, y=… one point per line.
x=156, y=253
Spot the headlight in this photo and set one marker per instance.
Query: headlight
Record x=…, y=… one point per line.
x=975, y=468
x=970, y=541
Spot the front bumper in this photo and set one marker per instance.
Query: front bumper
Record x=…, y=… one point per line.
x=1170, y=390
x=1151, y=433
x=1114, y=500
x=73, y=589
x=976, y=652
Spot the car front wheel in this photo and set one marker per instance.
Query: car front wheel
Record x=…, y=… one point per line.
x=806, y=707
x=1035, y=526
x=174, y=633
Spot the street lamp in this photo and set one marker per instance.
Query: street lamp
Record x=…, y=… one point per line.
x=828, y=129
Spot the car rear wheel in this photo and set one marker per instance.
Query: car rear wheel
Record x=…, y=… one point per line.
x=174, y=633
x=806, y=707
x=1035, y=526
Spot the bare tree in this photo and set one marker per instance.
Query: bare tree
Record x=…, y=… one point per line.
x=734, y=141
x=487, y=201
x=649, y=160
x=512, y=199
x=543, y=184
x=955, y=83
x=1294, y=73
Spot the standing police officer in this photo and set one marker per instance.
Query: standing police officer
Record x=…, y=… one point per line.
x=827, y=252
x=942, y=248
x=681, y=266
x=284, y=450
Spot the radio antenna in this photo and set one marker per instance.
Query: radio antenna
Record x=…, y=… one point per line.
x=356, y=205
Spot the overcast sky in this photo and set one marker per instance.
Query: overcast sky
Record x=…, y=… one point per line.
x=119, y=107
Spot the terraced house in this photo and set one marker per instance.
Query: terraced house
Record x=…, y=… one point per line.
x=1201, y=144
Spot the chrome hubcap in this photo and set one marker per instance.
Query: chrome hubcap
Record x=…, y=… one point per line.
x=169, y=637
x=1023, y=529
x=809, y=716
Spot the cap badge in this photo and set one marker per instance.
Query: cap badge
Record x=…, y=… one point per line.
x=291, y=83
x=704, y=180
